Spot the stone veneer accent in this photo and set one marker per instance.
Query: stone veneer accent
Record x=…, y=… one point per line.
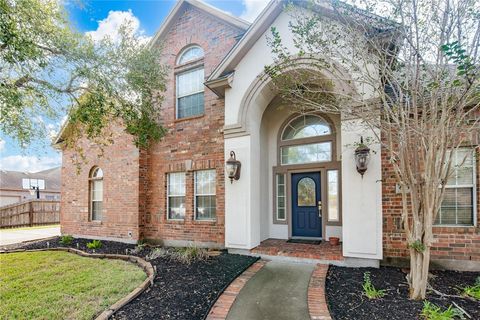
x=222, y=306
x=317, y=304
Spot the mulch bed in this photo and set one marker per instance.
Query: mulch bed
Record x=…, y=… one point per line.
x=179, y=291
x=346, y=300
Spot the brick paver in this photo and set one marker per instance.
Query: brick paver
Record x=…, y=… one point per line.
x=221, y=308
x=317, y=304
x=277, y=247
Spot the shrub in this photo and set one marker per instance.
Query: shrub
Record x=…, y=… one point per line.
x=95, y=244
x=473, y=291
x=189, y=254
x=368, y=288
x=433, y=312
x=156, y=253
x=66, y=240
x=138, y=248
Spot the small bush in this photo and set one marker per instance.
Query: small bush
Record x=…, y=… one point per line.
x=368, y=288
x=189, y=254
x=473, y=291
x=433, y=312
x=138, y=248
x=156, y=253
x=66, y=240
x=95, y=244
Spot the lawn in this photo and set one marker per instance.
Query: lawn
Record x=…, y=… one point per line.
x=61, y=285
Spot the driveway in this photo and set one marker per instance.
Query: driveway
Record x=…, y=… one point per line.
x=12, y=236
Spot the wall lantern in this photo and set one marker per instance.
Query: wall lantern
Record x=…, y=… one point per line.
x=233, y=166
x=362, y=157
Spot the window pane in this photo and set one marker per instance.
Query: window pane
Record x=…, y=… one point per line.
x=306, y=126
x=206, y=207
x=205, y=182
x=307, y=153
x=280, y=185
x=306, y=193
x=176, y=207
x=457, y=207
x=97, y=210
x=332, y=177
x=176, y=184
x=190, y=82
x=190, y=54
x=190, y=106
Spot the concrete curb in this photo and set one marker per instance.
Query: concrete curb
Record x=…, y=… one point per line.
x=144, y=265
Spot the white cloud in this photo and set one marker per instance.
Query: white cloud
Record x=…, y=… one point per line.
x=253, y=9
x=110, y=26
x=2, y=145
x=29, y=163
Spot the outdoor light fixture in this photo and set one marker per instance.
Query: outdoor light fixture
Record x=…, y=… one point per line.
x=233, y=166
x=362, y=157
x=36, y=190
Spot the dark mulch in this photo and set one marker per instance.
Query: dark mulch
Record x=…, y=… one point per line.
x=346, y=300
x=179, y=291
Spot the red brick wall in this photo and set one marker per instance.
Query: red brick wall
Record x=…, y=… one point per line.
x=121, y=189
x=451, y=243
x=197, y=140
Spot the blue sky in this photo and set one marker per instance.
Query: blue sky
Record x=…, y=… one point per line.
x=100, y=17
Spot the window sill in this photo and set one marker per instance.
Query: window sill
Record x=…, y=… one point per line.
x=211, y=222
x=189, y=118
x=175, y=221
x=458, y=229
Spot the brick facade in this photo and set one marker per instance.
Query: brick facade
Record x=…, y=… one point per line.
x=135, y=181
x=451, y=243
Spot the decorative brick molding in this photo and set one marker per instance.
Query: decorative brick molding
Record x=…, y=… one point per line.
x=221, y=308
x=146, y=266
x=317, y=304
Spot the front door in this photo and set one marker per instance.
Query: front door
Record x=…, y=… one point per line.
x=306, y=216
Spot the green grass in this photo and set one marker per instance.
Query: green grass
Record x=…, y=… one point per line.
x=61, y=285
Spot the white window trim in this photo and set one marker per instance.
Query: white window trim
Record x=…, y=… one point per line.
x=182, y=53
x=177, y=96
x=203, y=194
x=284, y=196
x=168, y=196
x=474, y=195
x=91, y=184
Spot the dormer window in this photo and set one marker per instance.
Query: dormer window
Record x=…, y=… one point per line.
x=190, y=88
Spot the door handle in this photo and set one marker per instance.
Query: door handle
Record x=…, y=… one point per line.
x=320, y=209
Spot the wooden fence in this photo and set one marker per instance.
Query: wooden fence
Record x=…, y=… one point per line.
x=30, y=213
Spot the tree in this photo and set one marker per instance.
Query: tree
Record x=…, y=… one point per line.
x=48, y=69
x=414, y=71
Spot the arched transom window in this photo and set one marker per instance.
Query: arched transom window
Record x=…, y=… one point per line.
x=307, y=138
x=190, y=88
x=96, y=194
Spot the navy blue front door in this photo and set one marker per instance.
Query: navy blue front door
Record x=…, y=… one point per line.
x=306, y=221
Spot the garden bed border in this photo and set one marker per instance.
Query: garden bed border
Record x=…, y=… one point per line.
x=144, y=265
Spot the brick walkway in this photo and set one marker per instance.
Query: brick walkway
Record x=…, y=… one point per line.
x=220, y=310
x=276, y=247
x=317, y=304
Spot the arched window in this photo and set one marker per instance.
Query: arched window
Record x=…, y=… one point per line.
x=190, y=88
x=307, y=138
x=190, y=54
x=96, y=194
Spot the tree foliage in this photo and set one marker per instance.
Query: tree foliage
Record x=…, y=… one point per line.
x=409, y=72
x=48, y=69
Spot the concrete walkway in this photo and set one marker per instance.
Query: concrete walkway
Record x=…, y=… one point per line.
x=12, y=236
x=278, y=291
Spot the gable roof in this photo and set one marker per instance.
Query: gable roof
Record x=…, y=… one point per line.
x=272, y=11
x=180, y=7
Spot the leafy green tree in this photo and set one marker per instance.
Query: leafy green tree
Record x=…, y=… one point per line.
x=406, y=69
x=48, y=69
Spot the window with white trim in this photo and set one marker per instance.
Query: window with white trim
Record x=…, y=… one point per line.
x=458, y=206
x=176, y=196
x=96, y=194
x=332, y=190
x=190, y=88
x=280, y=197
x=205, y=195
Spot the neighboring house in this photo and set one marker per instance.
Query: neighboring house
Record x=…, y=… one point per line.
x=177, y=191
x=15, y=186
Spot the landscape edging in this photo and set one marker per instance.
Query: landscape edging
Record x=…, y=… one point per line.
x=144, y=265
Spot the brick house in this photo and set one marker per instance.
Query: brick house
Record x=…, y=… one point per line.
x=216, y=101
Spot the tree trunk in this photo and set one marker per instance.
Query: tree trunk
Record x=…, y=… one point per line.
x=418, y=276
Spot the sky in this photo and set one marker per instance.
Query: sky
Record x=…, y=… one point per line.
x=99, y=18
